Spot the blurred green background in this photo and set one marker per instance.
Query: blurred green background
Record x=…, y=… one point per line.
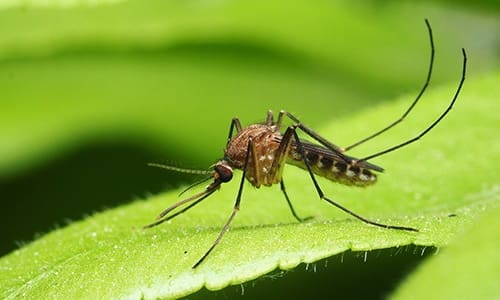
x=91, y=91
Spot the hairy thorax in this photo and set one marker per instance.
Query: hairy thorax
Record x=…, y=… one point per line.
x=260, y=162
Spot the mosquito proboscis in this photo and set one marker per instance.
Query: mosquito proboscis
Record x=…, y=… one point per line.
x=261, y=152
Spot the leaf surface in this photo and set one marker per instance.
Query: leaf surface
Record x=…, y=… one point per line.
x=108, y=255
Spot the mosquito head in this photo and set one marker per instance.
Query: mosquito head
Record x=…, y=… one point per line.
x=223, y=172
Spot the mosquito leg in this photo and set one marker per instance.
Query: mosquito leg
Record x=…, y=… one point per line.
x=279, y=164
x=422, y=90
x=443, y=114
x=323, y=197
x=280, y=119
x=219, y=237
x=338, y=150
x=282, y=186
x=270, y=118
x=236, y=208
x=235, y=123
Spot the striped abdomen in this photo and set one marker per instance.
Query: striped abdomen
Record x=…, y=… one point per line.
x=330, y=165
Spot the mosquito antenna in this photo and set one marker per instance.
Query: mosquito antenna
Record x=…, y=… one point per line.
x=188, y=171
x=459, y=88
x=195, y=184
x=180, y=170
x=422, y=90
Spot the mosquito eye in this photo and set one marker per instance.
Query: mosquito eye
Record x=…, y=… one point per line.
x=224, y=172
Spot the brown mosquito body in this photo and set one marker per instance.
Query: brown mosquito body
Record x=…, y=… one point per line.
x=265, y=165
x=262, y=150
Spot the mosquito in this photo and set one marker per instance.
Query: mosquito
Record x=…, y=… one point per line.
x=261, y=152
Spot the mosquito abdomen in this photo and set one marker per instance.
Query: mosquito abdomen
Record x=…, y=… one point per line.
x=333, y=169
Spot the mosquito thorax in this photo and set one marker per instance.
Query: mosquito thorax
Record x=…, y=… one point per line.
x=223, y=171
x=263, y=138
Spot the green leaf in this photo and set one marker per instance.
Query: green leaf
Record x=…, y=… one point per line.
x=149, y=72
x=467, y=269
x=426, y=186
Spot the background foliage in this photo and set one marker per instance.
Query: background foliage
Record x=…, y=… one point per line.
x=92, y=91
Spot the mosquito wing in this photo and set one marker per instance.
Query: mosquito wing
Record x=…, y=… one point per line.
x=333, y=166
x=327, y=153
